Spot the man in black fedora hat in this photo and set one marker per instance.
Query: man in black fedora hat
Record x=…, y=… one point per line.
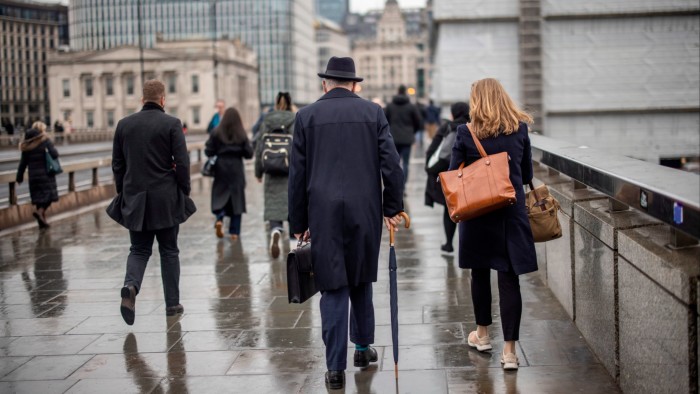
x=342, y=154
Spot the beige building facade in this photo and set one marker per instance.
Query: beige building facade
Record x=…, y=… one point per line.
x=392, y=58
x=94, y=89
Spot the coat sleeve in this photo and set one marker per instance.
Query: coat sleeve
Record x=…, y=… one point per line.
x=52, y=149
x=392, y=174
x=459, y=150
x=247, y=150
x=118, y=160
x=417, y=119
x=258, y=157
x=210, y=147
x=22, y=167
x=435, y=143
x=297, y=197
x=178, y=148
x=526, y=163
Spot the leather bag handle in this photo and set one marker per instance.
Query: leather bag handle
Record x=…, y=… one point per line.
x=480, y=148
x=538, y=202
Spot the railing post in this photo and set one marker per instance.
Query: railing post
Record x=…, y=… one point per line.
x=13, y=193
x=95, y=180
x=199, y=155
x=71, y=181
x=616, y=206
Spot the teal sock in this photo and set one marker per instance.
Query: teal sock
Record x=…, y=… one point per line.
x=360, y=348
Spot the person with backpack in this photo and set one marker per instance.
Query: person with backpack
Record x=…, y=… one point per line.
x=272, y=160
x=437, y=159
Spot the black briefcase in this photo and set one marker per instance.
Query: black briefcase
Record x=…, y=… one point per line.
x=301, y=283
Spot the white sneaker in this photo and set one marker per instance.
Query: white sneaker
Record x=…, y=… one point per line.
x=509, y=361
x=275, y=243
x=481, y=344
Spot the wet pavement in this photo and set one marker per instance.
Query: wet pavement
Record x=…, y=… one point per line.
x=61, y=330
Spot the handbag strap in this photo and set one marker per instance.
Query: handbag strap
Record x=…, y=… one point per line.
x=480, y=148
x=538, y=201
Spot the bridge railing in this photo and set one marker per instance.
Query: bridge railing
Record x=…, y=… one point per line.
x=627, y=268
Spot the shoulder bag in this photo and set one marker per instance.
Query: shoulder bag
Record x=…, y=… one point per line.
x=482, y=187
x=301, y=284
x=209, y=166
x=542, y=211
x=53, y=166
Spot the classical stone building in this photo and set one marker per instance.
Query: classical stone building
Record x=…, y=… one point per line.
x=97, y=88
x=29, y=32
x=392, y=57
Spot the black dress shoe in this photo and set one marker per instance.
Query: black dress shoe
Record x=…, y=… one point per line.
x=447, y=248
x=128, y=307
x=362, y=358
x=173, y=310
x=335, y=379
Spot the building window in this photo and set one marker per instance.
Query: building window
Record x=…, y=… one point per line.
x=66, y=116
x=195, y=85
x=195, y=115
x=110, y=118
x=172, y=83
x=129, y=85
x=88, y=87
x=109, y=85
x=66, y=88
x=90, y=119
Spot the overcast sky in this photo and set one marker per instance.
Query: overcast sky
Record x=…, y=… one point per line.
x=355, y=5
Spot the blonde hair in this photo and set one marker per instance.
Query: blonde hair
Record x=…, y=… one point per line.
x=39, y=125
x=492, y=111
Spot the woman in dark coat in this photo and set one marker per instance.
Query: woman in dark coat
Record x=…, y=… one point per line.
x=281, y=121
x=229, y=142
x=500, y=240
x=42, y=186
x=433, y=191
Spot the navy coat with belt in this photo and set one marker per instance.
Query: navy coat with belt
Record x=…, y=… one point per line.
x=500, y=240
x=151, y=171
x=342, y=152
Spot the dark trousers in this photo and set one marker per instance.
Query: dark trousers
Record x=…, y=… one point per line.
x=234, y=226
x=334, y=322
x=511, y=303
x=405, y=154
x=450, y=226
x=141, y=248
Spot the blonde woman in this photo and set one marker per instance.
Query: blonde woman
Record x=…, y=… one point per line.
x=500, y=240
x=42, y=186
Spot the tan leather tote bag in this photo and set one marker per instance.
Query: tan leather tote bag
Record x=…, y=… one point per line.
x=542, y=211
x=482, y=187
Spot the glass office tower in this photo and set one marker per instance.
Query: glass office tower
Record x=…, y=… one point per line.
x=335, y=10
x=280, y=31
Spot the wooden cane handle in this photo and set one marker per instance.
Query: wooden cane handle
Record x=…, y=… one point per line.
x=407, y=224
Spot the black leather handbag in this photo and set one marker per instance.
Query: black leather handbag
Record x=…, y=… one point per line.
x=301, y=283
x=209, y=166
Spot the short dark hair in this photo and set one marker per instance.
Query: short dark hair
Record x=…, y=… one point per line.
x=402, y=89
x=153, y=90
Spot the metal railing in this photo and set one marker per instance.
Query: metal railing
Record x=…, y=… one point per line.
x=71, y=168
x=669, y=195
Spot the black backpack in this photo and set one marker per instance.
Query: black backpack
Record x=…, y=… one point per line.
x=276, y=149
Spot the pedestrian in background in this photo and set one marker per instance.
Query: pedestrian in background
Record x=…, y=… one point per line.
x=152, y=174
x=216, y=119
x=42, y=185
x=404, y=120
x=342, y=155
x=276, y=123
x=229, y=143
x=500, y=240
x=432, y=119
x=433, y=190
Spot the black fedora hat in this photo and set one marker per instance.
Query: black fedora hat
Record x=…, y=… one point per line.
x=341, y=68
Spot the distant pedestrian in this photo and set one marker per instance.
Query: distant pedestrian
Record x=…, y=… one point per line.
x=432, y=119
x=229, y=143
x=276, y=131
x=433, y=190
x=42, y=185
x=152, y=174
x=500, y=240
x=404, y=120
x=343, y=154
x=216, y=119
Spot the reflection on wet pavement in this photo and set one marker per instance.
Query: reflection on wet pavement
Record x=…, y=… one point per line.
x=61, y=330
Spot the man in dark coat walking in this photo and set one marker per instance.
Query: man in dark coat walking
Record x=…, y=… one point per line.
x=342, y=153
x=151, y=172
x=405, y=120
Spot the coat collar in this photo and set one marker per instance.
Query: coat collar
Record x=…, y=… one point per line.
x=338, y=93
x=148, y=106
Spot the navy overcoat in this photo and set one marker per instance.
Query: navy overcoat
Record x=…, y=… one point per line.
x=502, y=239
x=342, y=152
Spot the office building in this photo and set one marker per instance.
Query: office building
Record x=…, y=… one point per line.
x=331, y=40
x=30, y=31
x=280, y=31
x=334, y=10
